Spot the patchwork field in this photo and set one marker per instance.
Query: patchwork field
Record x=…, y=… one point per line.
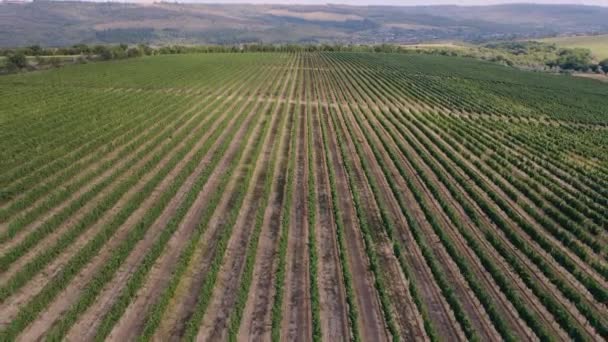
x=302, y=196
x=597, y=44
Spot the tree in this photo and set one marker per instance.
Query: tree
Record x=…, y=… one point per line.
x=34, y=50
x=604, y=65
x=103, y=52
x=133, y=52
x=573, y=59
x=17, y=61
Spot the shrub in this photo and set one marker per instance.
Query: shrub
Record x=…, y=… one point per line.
x=17, y=61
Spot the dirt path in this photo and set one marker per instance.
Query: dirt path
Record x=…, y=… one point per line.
x=256, y=322
x=370, y=320
x=297, y=320
x=333, y=306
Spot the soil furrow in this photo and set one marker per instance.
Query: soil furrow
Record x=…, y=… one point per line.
x=297, y=321
x=370, y=314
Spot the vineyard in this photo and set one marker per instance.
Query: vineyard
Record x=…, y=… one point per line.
x=302, y=196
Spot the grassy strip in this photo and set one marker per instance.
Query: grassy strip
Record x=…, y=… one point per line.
x=312, y=246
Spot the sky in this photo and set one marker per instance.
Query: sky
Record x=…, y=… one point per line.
x=408, y=2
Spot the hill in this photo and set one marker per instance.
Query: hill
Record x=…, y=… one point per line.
x=58, y=23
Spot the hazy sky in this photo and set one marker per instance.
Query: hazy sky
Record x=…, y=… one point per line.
x=408, y=2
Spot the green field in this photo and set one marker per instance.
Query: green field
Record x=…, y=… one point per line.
x=597, y=44
x=313, y=196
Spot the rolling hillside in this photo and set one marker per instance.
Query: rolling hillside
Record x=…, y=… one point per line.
x=56, y=23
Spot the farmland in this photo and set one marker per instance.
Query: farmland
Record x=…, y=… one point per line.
x=597, y=44
x=302, y=196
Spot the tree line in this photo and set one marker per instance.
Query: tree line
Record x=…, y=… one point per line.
x=535, y=55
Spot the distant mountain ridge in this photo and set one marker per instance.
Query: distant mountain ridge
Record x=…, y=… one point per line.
x=54, y=23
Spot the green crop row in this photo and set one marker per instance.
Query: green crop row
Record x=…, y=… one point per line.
x=346, y=274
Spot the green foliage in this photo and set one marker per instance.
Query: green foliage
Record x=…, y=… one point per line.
x=604, y=65
x=17, y=61
x=500, y=176
x=573, y=59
